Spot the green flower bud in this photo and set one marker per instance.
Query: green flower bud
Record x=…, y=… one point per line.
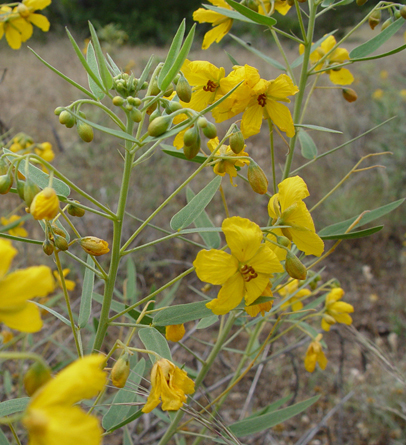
x=37, y=375
x=74, y=210
x=48, y=247
x=202, y=122
x=174, y=106
x=3, y=166
x=386, y=23
x=136, y=115
x=58, y=111
x=6, y=181
x=159, y=126
x=403, y=12
x=294, y=267
x=257, y=179
x=85, y=132
x=61, y=243
x=283, y=241
x=30, y=191
x=190, y=136
x=155, y=90
x=154, y=115
x=144, y=86
x=374, y=19
x=251, y=4
x=118, y=101
x=361, y=2
x=184, y=90
x=210, y=131
x=349, y=94
x=237, y=142
x=20, y=189
x=67, y=119
x=168, y=91
x=121, y=371
x=190, y=151
x=137, y=101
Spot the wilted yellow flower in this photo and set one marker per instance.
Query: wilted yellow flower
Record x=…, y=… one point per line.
x=94, y=246
x=315, y=355
x=336, y=311
x=52, y=418
x=243, y=274
x=70, y=285
x=19, y=286
x=294, y=301
x=16, y=231
x=175, y=332
x=45, y=204
x=288, y=209
x=169, y=384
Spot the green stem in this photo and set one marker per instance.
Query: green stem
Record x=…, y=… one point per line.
x=281, y=50
x=270, y=125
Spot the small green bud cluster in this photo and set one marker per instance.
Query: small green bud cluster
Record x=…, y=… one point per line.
x=85, y=131
x=127, y=85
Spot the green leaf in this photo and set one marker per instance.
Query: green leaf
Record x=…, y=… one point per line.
x=318, y=128
x=3, y=439
x=353, y=235
x=126, y=421
x=228, y=13
x=40, y=178
x=72, y=82
x=232, y=60
x=107, y=78
x=211, y=239
x=252, y=15
x=115, y=70
x=270, y=408
x=146, y=70
x=380, y=56
x=327, y=3
x=182, y=313
x=315, y=45
x=131, y=283
x=87, y=291
x=173, y=151
x=341, y=227
x=56, y=314
x=91, y=60
x=196, y=206
x=372, y=45
x=258, y=53
x=13, y=406
x=207, y=321
x=121, y=405
x=254, y=425
x=309, y=149
x=154, y=341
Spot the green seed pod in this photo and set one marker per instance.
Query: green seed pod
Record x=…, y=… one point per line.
x=85, y=131
x=190, y=136
x=74, y=210
x=190, y=151
x=136, y=115
x=184, y=90
x=121, y=371
x=202, y=122
x=210, y=131
x=257, y=179
x=237, y=142
x=58, y=111
x=30, y=191
x=48, y=247
x=37, y=375
x=386, y=23
x=6, y=181
x=118, y=101
x=403, y=12
x=61, y=243
x=374, y=19
x=174, y=106
x=159, y=126
x=294, y=267
x=67, y=119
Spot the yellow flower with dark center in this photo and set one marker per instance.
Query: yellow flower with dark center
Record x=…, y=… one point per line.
x=19, y=286
x=45, y=204
x=16, y=231
x=288, y=209
x=265, y=102
x=52, y=416
x=169, y=384
x=294, y=301
x=226, y=166
x=175, y=332
x=315, y=355
x=336, y=311
x=70, y=285
x=244, y=273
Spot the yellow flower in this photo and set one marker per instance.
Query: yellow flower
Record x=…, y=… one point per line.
x=45, y=151
x=94, y=246
x=170, y=384
x=336, y=311
x=281, y=6
x=70, y=285
x=243, y=274
x=17, y=23
x=255, y=309
x=223, y=166
x=288, y=209
x=45, y=204
x=294, y=301
x=15, y=231
x=266, y=103
x=221, y=24
x=19, y=286
x=52, y=418
x=377, y=94
x=315, y=355
x=175, y=332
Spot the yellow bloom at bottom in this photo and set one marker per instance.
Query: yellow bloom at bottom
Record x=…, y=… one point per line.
x=51, y=418
x=315, y=355
x=169, y=384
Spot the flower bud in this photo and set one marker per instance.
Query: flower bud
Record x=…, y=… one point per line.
x=168, y=91
x=67, y=119
x=74, y=210
x=151, y=108
x=190, y=136
x=257, y=178
x=45, y=204
x=118, y=101
x=156, y=113
x=403, y=12
x=202, y=122
x=294, y=267
x=6, y=181
x=237, y=142
x=184, y=90
x=175, y=332
x=128, y=107
x=210, y=131
x=30, y=191
x=190, y=151
x=154, y=88
x=283, y=241
x=85, y=132
x=386, y=23
x=121, y=371
x=23, y=10
x=136, y=115
x=361, y=2
x=329, y=319
x=37, y=375
x=349, y=94
x=58, y=111
x=159, y=126
x=94, y=246
x=374, y=19
x=48, y=247
x=20, y=189
x=174, y=106
x=57, y=230
x=61, y=243
x=3, y=166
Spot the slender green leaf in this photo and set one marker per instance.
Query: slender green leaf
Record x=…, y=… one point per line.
x=271, y=407
x=131, y=283
x=228, y=13
x=211, y=239
x=146, y=70
x=115, y=70
x=87, y=291
x=13, y=406
x=341, y=227
x=309, y=149
x=252, y=15
x=207, y=321
x=56, y=314
x=91, y=60
x=196, y=206
x=176, y=153
x=373, y=44
x=182, y=313
x=380, y=56
x=315, y=45
x=72, y=82
x=107, y=78
x=254, y=425
x=318, y=128
x=3, y=439
x=232, y=60
x=258, y=53
x=327, y=3
x=154, y=341
x=172, y=53
x=353, y=235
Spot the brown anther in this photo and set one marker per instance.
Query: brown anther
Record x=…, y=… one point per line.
x=210, y=86
x=248, y=273
x=262, y=100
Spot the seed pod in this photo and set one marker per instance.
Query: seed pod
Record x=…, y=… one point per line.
x=118, y=101
x=294, y=267
x=237, y=142
x=190, y=151
x=94, y=246
x=85, y=132
x=374, y=19
x=6, y=181
x=257, y=178
x=184, y=90
x=48, y=247
x=175, y=332
x=67, y=119
x=349, y=94
x=159, y=126
x=210, y=131
x=74, y=210
x=190, y=136
x=121, y=371
x=61, y=243
x=37, y=375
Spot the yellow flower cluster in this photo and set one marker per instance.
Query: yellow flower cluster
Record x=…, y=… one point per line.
x=22, y=143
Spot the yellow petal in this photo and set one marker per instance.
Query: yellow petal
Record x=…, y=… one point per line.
x=308, y=242
x=24, y=317
x=7, y=253
x=291, y=191
x=13, y=37
x=324, y=325
x=206, y=16
x=321, y=358
x=281, y=87
x=334, y=295
x=40, y=21
x=265, y=261
x=280, y=116
x=252, y=119
x=25, y=28
x=339, y=55
x=328, y=44
x=341, y=77
x=255, y=288
x=1, y=30
x=36, y=4
x=229, y=297
x=310, y=361
x=282, y=7
x=296, y=305
x=215, y=266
